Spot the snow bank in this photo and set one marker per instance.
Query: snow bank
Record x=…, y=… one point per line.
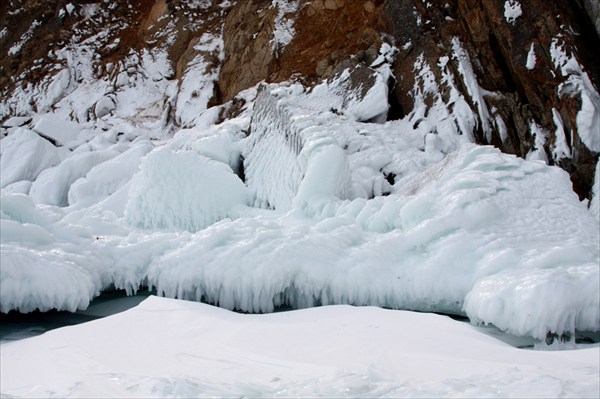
x=334, y=351
x=183, y=190
x=59, y=274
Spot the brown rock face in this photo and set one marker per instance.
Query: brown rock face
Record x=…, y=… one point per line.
x=502, y=58
x=516, y=92
x=518, y=86
x=325, y=33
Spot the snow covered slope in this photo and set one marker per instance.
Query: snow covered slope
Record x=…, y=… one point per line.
x=169, y=348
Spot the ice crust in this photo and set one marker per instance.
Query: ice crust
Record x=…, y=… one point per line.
x=332, y=209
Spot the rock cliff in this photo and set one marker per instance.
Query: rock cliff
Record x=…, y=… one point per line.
x=522, y=76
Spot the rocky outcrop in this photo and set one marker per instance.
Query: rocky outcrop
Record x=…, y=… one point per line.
x=527, y=72
x=517, y=58
x=279, y=40
x=522, y=76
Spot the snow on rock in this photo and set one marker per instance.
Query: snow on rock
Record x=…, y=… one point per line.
x=578, y=83
x=561, y=148
x=25, y=155
x=198, y=83
x=531, y=58
x=358, y=91
x=104, y=106
x=16, y=48
x=16, y=121
x=512, y=11
x=284, y=23
x=465, y=68
x=183, y=191
x=53, y=184
x=107, y=177
x=595, y=202
x=538, y=152
x=57, y=129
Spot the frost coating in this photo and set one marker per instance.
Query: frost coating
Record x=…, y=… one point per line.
x=184, y=191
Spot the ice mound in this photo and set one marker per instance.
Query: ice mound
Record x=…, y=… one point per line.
x=288, y=153
x=183, y=191
x=61, y=273
x=294, y=203
x=476, y=219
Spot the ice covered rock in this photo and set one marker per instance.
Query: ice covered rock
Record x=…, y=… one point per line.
x=183, y=191
x=107, y=177
x=104, y=106
x=53, y=184
x=25, y=155
x=480, y=233
x=57, y=129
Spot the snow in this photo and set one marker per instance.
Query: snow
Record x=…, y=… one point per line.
x=538, y=152
x=512, y=11
x=16, y=48
x=53, y=184
x=561, y=148
x=107, y=177
x=284, y=23
x=309, y=197
x=531, y=58
x=25, y=155
x=58, y=130
x=198, y=83
x=578, y=83
x=595, y=202
x=183, y=190
x=470, y=80
x=169, y=348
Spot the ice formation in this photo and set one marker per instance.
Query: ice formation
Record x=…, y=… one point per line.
x=302, y=200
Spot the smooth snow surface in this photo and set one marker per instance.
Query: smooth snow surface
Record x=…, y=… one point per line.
x=171, y=348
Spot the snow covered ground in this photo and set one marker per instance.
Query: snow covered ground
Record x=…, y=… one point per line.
x=173, y=348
